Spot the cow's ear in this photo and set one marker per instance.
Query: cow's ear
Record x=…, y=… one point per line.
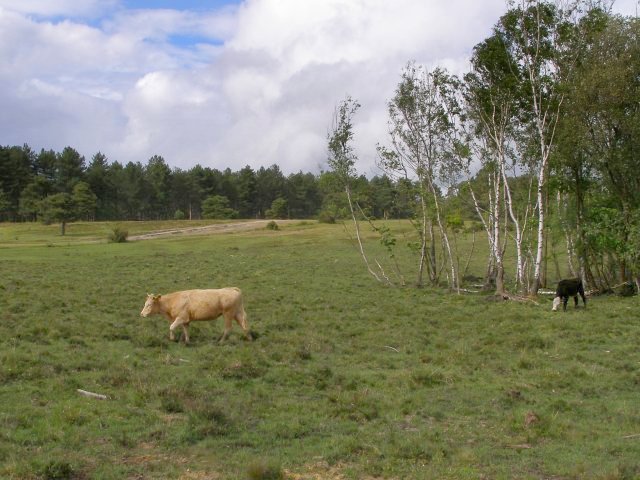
x=157, y=297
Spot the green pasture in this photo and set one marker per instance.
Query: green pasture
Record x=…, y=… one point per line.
x=347, y=378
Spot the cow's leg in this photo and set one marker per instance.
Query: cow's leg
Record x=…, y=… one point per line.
x=241, y=318
x=228, y=322
x=185, y=330
x=176, y=323
x=564, y=302
x=575, y=301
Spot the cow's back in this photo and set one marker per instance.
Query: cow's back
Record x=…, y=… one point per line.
x=210, y=303
x=569, y=287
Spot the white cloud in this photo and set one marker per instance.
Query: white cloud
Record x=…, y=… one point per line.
x=255, y=84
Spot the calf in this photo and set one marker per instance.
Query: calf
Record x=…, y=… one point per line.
x=568, y=288
x=183, y=307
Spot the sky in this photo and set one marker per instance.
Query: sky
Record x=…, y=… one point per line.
x=221, y=83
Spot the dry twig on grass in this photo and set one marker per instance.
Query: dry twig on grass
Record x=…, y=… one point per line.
x=99, y=396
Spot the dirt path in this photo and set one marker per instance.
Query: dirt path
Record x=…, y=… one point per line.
x=208, y=229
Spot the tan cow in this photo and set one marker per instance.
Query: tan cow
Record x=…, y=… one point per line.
x=186, y=306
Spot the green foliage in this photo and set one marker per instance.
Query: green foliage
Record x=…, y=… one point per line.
x=58, y=470
x=217, y=207
x=604, y=230
x=341, y=154
x=178, y=215
x=272, y=225
x=455, y=222
x=138, y=191
x=58, y=208
x=118, y=235
x=326, y=217
x=279, y=209
x=84, y=201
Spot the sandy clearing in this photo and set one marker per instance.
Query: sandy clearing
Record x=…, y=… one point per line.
x=209, y=229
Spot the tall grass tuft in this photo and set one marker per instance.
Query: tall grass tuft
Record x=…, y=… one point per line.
x=265, y=470
x=58, y=470
x=118, y=235
x=272, y=225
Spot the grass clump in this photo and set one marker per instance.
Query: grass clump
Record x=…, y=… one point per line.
x=58, y=470
x=118, y=235
x=206, y=420
x=265, y=470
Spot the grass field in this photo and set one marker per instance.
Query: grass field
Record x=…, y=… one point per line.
x=347, y=379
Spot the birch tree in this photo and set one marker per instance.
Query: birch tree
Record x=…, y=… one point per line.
x=535, y=37
x=423, y=148
x=491, y=94
x=342, y=159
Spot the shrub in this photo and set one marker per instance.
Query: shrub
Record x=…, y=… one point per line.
x=626, y=289
x=178, y=215
x=118, y=235
x=326, y=217
x=272, y=226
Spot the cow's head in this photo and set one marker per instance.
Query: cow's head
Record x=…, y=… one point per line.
x=151, y=305
x=556, y=303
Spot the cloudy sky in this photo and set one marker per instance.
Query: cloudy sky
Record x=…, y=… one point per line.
x=222, y=83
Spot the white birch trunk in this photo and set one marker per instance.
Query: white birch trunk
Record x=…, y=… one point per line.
x=423, y=245
x=445, y=239
x=509, y=203
x=357, y=229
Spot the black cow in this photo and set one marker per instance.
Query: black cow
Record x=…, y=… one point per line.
x=568, y=288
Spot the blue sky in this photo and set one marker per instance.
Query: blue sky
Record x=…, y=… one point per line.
x=217, y=82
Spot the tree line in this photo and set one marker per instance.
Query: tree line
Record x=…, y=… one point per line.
x=541, y=139
x=61, y=186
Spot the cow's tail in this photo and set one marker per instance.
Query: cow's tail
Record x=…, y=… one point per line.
x=242, y=319
x=241, y=315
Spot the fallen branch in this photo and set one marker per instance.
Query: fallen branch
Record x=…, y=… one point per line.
x=636, y=435
x=508, y=296
x=92, y=395
x=519, y=298
x=392, y=348
x=466, y=290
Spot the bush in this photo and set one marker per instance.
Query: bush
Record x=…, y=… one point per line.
x=627, y=289
x=118, y=235
x=272, y=226
x=326, y=217
x=178, y=215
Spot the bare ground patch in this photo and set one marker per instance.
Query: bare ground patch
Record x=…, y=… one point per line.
x=210, y=229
